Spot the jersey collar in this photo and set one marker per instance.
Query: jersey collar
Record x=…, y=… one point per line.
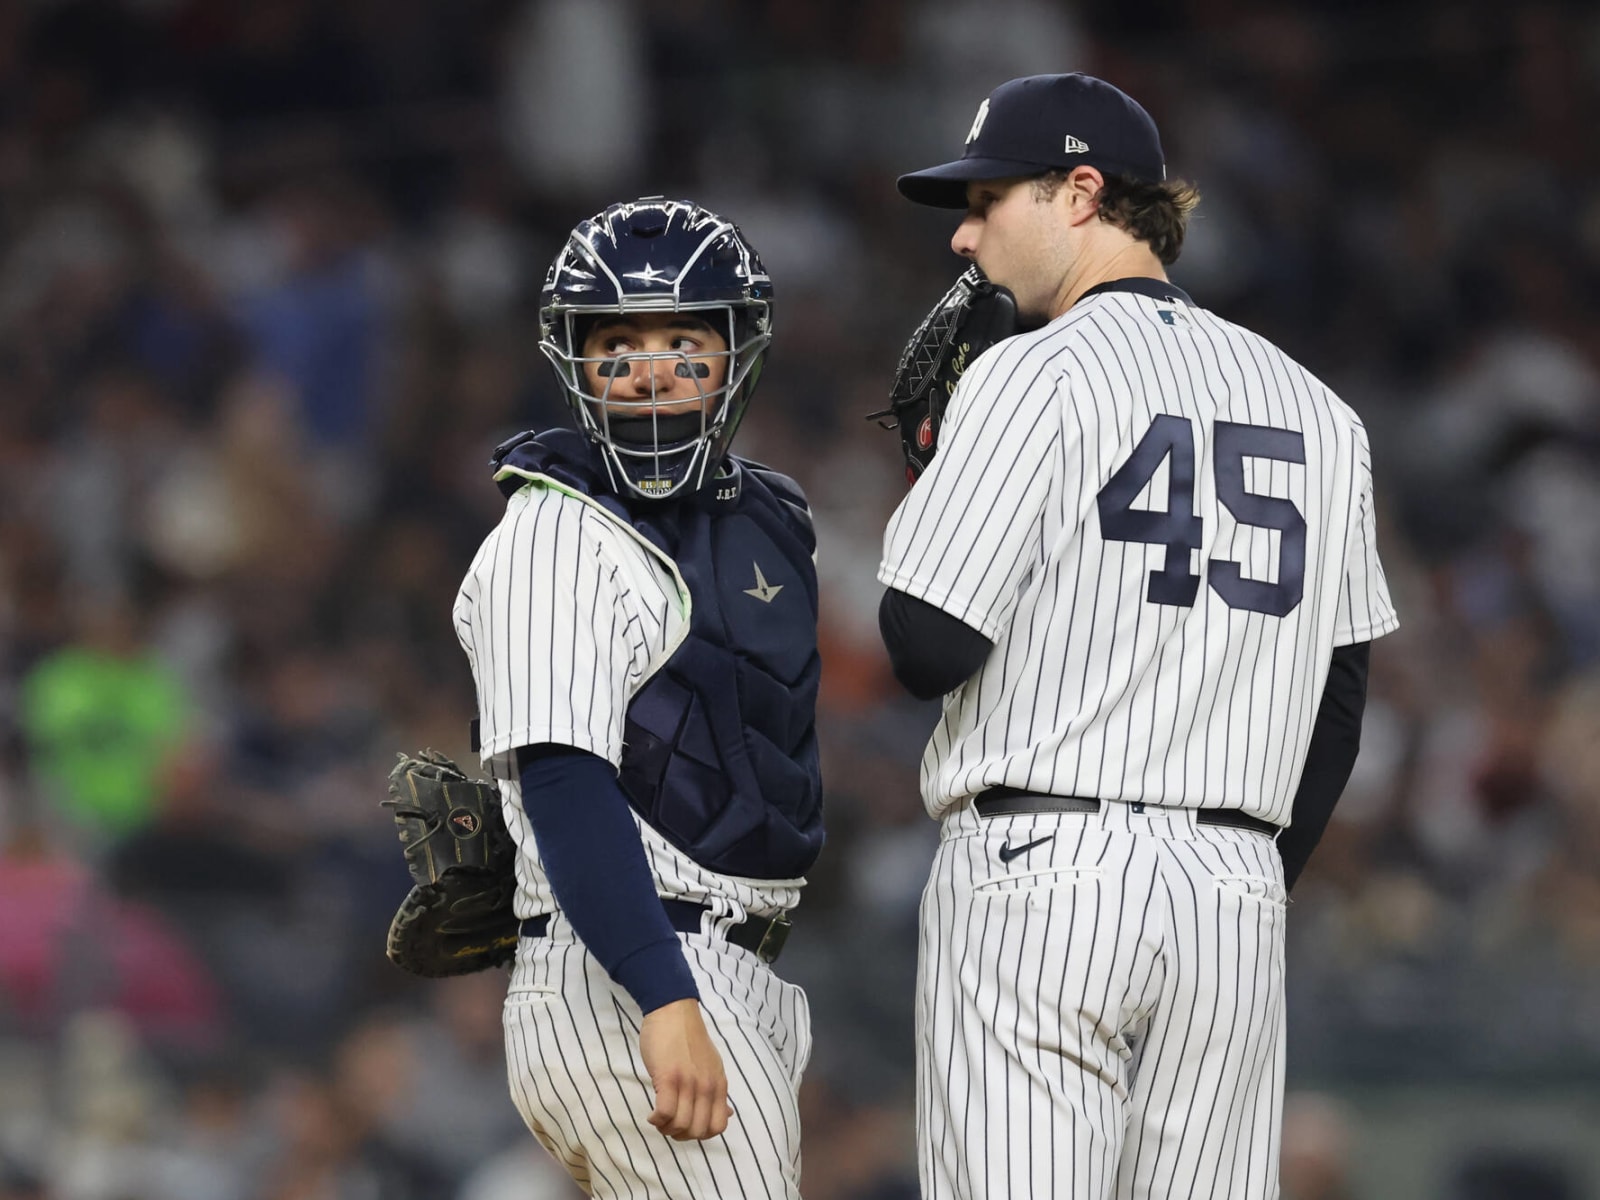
x=1140, y=285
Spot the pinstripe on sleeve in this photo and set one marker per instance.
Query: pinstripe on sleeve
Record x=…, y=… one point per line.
x=545, y=618
x=1365, y=611
x=964, y=538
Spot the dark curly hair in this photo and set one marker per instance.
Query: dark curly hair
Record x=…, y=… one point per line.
x=1155, y=213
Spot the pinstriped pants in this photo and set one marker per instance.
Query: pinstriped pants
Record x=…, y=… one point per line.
x=572, y=1055
x=1101, y=1016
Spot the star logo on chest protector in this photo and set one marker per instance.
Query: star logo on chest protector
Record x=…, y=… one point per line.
x=763, y=591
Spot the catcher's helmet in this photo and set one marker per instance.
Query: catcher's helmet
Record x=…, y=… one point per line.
x=658, y=255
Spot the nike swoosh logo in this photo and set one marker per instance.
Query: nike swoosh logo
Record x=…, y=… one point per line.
x=1007, y=853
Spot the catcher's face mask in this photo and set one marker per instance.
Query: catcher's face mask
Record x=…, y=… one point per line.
x=656, y=316
x=658, y=385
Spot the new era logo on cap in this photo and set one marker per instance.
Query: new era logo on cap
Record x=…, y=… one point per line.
x=1019, y=130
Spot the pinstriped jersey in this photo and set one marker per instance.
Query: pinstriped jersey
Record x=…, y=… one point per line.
x=1165, y=525
x=564, y=614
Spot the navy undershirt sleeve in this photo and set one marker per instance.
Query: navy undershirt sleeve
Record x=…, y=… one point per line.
x=932, y=653
x=596, y=865
x=1335, y=742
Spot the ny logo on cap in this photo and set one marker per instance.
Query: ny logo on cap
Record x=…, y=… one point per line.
x=977, y=121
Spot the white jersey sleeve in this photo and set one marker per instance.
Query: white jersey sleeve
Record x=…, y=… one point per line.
x=967, y=535
x=1365, y=611
x=563, y=615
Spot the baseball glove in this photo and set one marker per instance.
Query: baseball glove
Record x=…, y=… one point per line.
x=972, y=316
x=457, y=917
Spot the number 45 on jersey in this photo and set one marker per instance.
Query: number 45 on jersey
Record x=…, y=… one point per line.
x=1179, y=527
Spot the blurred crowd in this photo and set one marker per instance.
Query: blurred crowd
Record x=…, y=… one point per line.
x=268, y=282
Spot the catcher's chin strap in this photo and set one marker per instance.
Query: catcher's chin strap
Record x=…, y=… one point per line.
x=969, y=318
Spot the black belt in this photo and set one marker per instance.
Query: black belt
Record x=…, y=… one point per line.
x=1006, y=802
x=763, y=937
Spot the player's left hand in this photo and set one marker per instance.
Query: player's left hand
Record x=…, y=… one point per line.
x=691, y=1085
x=972, y=316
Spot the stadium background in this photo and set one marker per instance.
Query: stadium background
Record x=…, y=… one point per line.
x=267, y=274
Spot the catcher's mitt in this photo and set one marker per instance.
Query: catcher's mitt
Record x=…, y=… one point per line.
x=457, y=917
x=972, y=316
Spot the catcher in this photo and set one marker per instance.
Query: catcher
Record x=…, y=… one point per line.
x=642, y=629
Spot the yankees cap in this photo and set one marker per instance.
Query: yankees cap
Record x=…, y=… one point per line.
x=1043, y=123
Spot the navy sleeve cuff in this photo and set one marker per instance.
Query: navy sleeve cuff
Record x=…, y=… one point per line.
x=1335, y=742
x=932, y=653
x=597, y=868
x=657, y=974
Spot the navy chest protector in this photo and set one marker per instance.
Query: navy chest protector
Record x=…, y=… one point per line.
x=720, y=748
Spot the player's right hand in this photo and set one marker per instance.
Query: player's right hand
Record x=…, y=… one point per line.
x=691, y=1086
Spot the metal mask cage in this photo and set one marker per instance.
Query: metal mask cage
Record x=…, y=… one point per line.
x=664, y=466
